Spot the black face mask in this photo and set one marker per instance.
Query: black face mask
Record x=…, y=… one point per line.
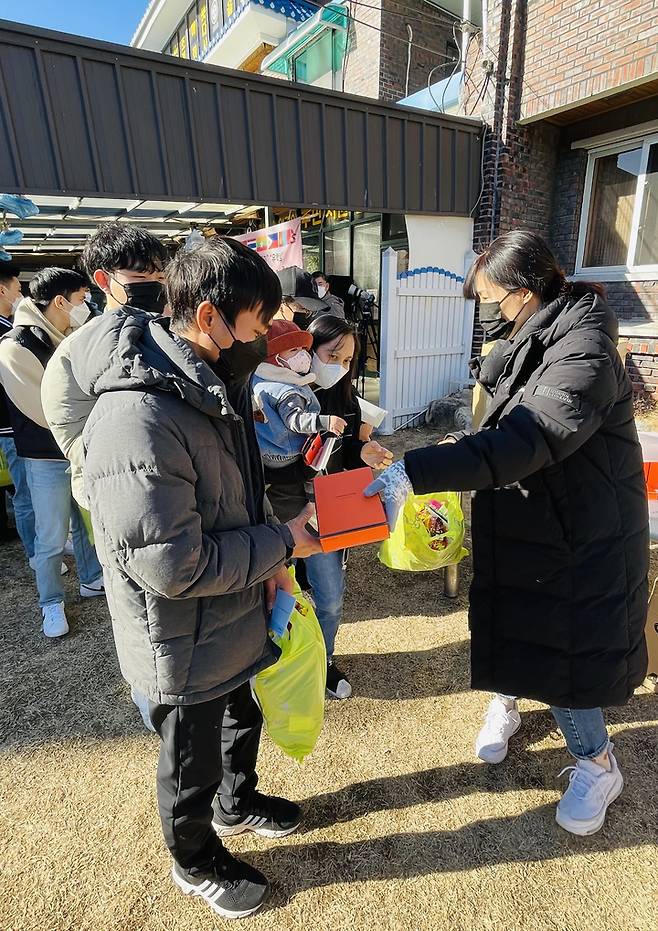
x=493, y=323
x=240, y=360
x=144, y=295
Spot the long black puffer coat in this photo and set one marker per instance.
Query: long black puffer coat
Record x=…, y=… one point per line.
x=559, y=515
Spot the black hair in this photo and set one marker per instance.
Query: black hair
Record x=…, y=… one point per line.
x=325, y=329
x=8, y=271
x=225, y=272
x=317, y=275
x=522, y=259
x=50, y=282
x=117, y=246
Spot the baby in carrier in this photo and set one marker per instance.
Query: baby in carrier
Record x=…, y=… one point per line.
x=287, y=410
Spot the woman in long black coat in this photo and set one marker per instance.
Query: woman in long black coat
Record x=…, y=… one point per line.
x=559, y=515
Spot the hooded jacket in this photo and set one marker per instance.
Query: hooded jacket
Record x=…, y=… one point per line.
x=176, y=511
x=24, y=354
x=289, y=413
x=559, y=516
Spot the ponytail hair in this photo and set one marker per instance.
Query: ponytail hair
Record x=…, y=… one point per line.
x=522, y=259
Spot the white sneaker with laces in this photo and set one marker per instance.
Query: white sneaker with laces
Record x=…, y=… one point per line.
x=591, y=789
x=54, y=620
x=94, y=589
x=499, y=725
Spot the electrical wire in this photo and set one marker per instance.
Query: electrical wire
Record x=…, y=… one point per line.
x=390, y=35
x=348, y=49
x=525, y=81
x=481, y=92
x=408, y=13
x=457, y=63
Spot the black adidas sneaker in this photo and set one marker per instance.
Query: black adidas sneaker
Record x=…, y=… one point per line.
x=265, y=815
x=232, y=889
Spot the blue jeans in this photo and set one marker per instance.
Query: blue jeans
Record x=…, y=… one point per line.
x=54, y=508
x=583, y=729
x=326, y=575
x=21, y=500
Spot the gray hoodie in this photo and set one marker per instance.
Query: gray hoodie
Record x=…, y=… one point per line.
x=169, y=481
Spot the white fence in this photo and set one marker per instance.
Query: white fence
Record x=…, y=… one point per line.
x=426, y=332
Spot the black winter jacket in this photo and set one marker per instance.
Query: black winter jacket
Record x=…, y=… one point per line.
x=559, y=514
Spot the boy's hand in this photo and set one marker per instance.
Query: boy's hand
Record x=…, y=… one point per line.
x=305, y=543
x=282, y=580
x=337, y=425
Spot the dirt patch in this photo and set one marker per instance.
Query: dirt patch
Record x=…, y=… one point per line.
x=403, y=829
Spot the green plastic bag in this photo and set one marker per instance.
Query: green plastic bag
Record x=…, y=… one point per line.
x=291, y=692
x=429, y=534
x=5, y=477
x=86, y=520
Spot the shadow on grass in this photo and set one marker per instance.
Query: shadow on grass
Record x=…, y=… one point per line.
x=530, y=837
x=520, y=771
x=412, y=675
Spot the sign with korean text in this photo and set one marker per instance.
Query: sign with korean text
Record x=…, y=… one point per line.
x=280, y=246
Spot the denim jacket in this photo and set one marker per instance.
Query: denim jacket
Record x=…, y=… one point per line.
x=289, y=413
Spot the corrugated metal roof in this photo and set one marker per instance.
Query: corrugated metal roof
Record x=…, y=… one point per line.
x=88, y=118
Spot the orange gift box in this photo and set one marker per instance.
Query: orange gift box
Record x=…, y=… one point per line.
x=651, y=478
x=345, y=516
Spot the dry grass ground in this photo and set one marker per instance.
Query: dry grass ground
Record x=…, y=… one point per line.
x=403, y=829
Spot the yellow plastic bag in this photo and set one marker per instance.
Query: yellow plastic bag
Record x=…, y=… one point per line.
x=5, y=477
x=429, y=534
x=291, y=692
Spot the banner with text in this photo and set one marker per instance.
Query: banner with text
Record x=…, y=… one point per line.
x=280, y=246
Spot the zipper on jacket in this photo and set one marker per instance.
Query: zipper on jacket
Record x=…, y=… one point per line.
x=239, y=437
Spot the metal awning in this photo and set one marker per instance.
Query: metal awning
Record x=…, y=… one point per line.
x=331, y=16
x=94, y=120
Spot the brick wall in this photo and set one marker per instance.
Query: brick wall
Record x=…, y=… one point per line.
x=377, y=62
x=579, y=48
x=569, y=185
x=429, y=31
x=361, y=71
x=532, y=176
x=520, y=160
x=642, y=366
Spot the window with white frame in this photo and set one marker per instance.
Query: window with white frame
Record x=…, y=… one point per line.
x=619, y=220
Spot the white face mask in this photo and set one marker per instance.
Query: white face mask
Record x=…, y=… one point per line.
x=78, y=314
x=322, y=290
x=327, y=374
x=300, y=362
x=14, y=306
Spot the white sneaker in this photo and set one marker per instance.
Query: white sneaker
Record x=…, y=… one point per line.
x=54, y=620
x=592, y=788
x=94, y=589
x=499, y=725
x=68, y=548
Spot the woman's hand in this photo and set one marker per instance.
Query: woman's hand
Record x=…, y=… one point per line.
x=365, y=432
x=337, y=425
x=376, y=456
x=282, y=580
x=393, y=487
